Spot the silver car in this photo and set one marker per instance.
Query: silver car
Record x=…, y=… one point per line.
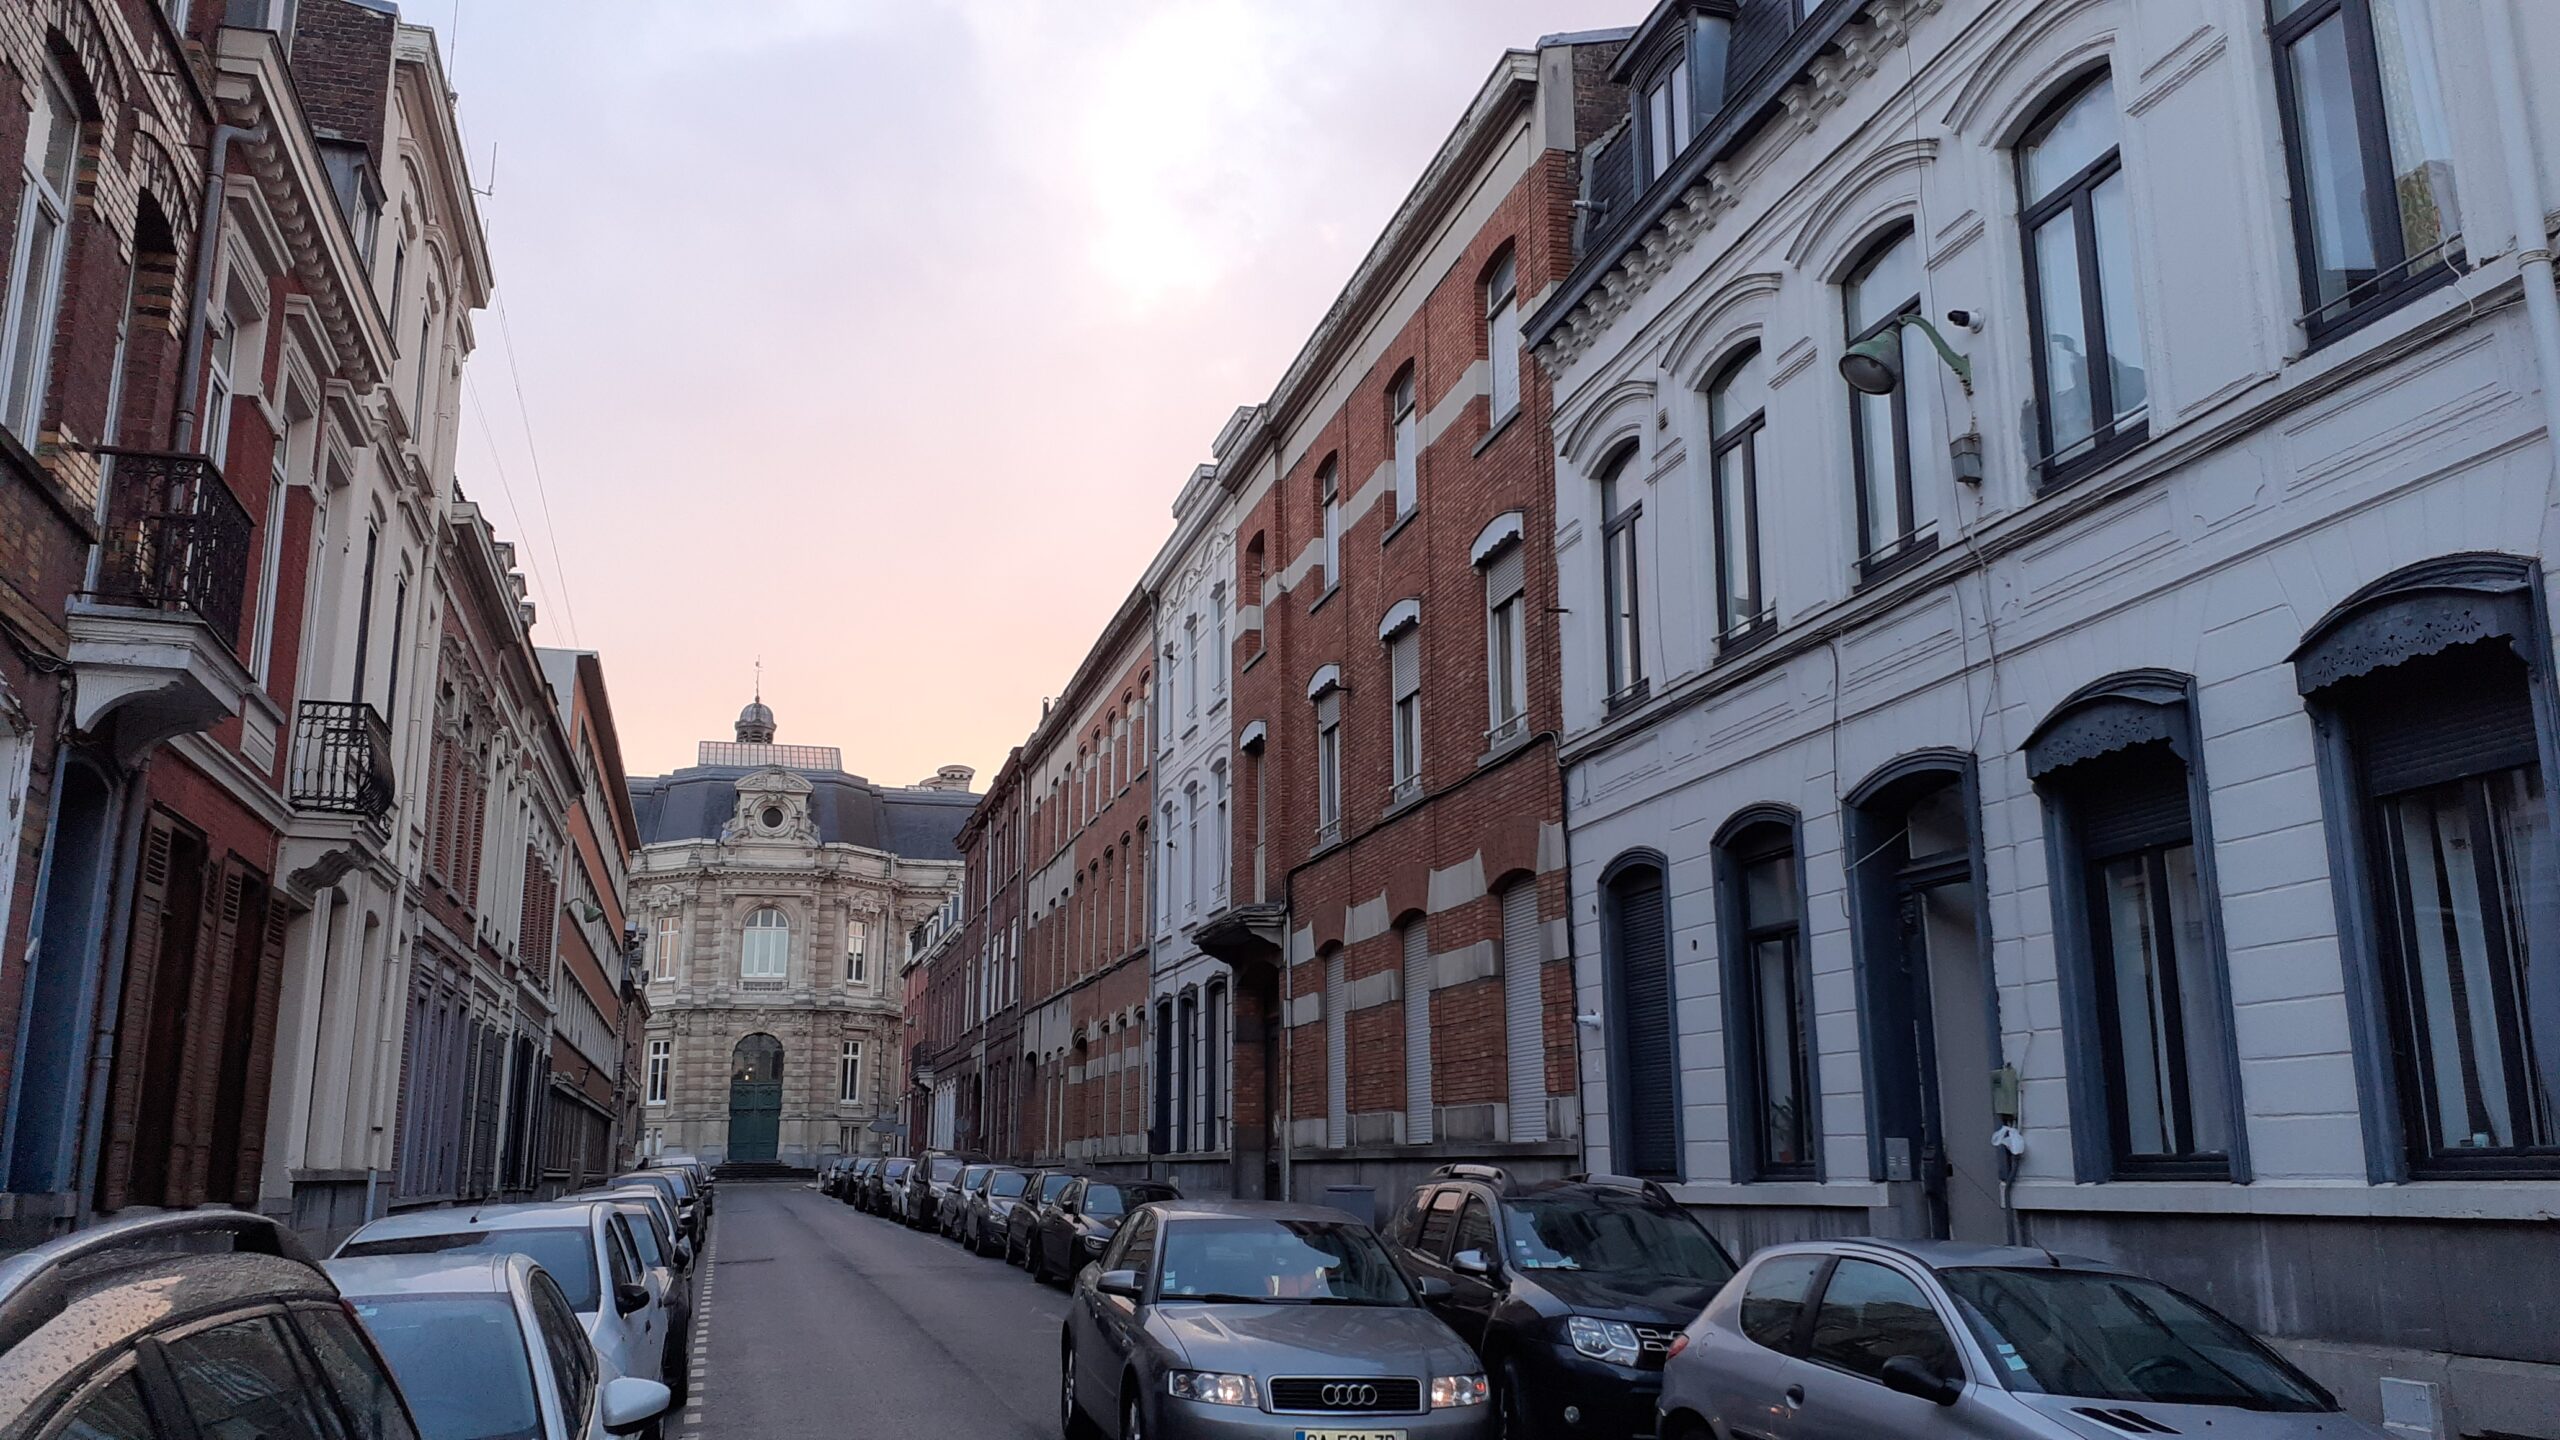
x=1224, y=1320
x=1854, y=1339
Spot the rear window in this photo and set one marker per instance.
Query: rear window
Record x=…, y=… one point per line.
x=570, y=1256
x=1051, y=1185
x=462, y=1362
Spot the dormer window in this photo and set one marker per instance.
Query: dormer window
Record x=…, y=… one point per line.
x=1674, y=67
x=1666, y=115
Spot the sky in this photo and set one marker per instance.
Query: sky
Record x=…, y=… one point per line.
x=874, y=338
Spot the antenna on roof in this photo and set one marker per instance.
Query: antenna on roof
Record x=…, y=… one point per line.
x=759, y=677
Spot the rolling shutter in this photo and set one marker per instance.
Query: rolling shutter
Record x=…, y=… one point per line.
x=1502, y=575
x=1648, y=1069
x=2441, y=717
x=1418, y=1128
x=1524, y=1044
x=2130, y=801
x=1337, y=1065
x=1404, y=659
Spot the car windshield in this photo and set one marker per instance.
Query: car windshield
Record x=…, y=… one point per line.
x=944, y=1168
x=970, y=1177
x=1010, y=1183
x=1278, y=1262
x=898, y=1169
x=462, y=1362
x=1611, y=1234
x=570, y=1255
x=2096, y=1336
x=1052, y=1185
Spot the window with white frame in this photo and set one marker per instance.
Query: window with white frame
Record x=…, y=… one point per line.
x=849, y=1074
x=1506, y=638
x=1404, y=442
x=1404, y=669
x=764, y=948
x=1619, y=513
x=1191, y=665
x=1328, y=765
x=1329, y=495
x=1218, y=639
x=270, y=559
x=1666, y=116
x=1193, y=892
x=35, y=271
x=1218, y=833
x=221, y=349
x=1502, y=333
x=661, y=1057
x=857, y=956
x=667, y=943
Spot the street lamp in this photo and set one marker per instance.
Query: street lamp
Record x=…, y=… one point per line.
x=1873, y=366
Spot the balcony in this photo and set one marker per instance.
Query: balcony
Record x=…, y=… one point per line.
x=155, y=641
x=342, y=760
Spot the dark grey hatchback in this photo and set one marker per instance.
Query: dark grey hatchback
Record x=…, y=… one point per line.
x=1224, y=1320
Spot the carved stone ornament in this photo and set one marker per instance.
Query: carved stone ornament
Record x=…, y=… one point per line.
x=2114, y=714
x=2397, y=631
x=773, y=804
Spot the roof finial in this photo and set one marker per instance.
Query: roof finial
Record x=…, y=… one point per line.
x=759, y=677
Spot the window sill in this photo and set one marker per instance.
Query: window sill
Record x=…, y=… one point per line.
x=1747, y=637
x=2319, y=332
x=1404, y=797
x=1873, y=569
x=1397, y=528
x=1331, y=589
x=1629, y=698
x=1501, y=427
x=1251, y=660
x=2055, y=476
x=1502, y=742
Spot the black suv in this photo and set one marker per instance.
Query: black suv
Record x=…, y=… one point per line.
x=1570, y=1290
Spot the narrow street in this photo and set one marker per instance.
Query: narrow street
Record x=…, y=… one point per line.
x=822, y=1321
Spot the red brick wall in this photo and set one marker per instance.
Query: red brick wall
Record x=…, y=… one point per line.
x=342, y=68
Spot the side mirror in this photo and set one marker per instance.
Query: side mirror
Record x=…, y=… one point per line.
x=630, y=1403
x=1123, y=1283
x=1907, y=1375
x=627, y=1298
x=1471, y=1262
x=684, y=1254
x=1432, y=1287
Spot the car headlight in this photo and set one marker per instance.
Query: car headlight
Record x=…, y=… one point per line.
x=1613, y=1341
x=1450, y=1391
x=1209, y=1387
x=1093, y=1243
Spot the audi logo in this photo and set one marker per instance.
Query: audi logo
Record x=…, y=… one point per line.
x=1350, y=1397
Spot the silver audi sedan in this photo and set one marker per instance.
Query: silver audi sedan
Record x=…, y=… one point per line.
x=1856, y=1339
x=1246, y=1320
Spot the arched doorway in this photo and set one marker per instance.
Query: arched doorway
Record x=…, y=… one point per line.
x=755, y=1099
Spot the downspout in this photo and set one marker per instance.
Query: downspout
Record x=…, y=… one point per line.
x=1288, y=1034
x=1564, y=823
x=182, y=435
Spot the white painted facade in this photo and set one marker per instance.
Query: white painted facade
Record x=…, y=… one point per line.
x=2278, y=479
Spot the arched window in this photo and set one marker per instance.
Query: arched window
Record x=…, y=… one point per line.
x=1329, y=519
x=764, y=949
x=1895, y=435
x=1737, y=418
x=1620, y=511
x=1404, y=444
x=35, y=274
x=1502, y=334
x=1768, y=998
x=1644, y=1068
x=2091, y=391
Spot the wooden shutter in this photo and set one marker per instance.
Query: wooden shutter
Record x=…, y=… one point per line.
x=1524, y=1035
x=1649, y=1075
x=150, y=901
x=1418, y=1127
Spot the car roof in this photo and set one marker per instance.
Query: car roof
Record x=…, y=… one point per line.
x=111, y=1303
x=456, y=1220
x=1947, y=1254
x=1250, y=1210
x=446, y=1272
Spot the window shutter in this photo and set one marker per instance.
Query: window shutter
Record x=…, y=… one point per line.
x=1524, y=1040
x=1504, y=574
x=1418, y=1128
x=2131, y=801
x=1337, y=1065
x=2443, y=717
x=1649, y=1066
x=1328, y=709
x=1404, y=658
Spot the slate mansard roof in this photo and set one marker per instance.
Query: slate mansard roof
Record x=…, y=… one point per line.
x=695, y=803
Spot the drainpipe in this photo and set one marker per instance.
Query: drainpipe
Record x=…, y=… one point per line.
x=2524, y=196
x=200, y=290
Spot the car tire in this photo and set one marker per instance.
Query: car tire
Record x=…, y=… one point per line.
x=1071, y=1422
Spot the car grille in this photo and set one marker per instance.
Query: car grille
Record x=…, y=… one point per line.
x=1352, y=1395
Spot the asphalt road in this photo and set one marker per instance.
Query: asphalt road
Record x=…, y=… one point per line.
x=820, y=1321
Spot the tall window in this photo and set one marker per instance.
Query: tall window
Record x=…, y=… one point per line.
x=2374, y=207
x=1191, y=665
x=222, y=345
x=1415, y=940
x=1329, y=766
x=1506, y=642
x=1218, y=638
x=1737, y=418
x=764, y=950
x=660, y=1058
x=1218, y=833
x=849, y=1073
x=1619, y=513
x=35, y=272
x=663, y=947
x=1644, y=1071
x=2091, y=391
x=1404, y=442
x=1502, y=333
x=1892, y=435
x=1404, y=671
x=1329, y=496
x=857, y=958
x=1772, y=1004
x=1192, y=889
x=1666, y=117
x=270, y=560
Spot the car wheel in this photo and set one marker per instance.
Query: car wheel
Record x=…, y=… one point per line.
x=1070, y=1419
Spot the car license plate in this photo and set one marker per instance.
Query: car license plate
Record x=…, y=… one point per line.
x=1350, y=1435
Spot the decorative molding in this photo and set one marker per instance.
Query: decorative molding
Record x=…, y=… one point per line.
x=2190, y=57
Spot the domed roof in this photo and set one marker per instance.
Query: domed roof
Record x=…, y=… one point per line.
x=755, y=724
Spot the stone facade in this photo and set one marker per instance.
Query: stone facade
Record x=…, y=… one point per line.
x=778, y=893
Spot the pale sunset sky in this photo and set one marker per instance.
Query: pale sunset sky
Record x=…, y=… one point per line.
x=875, y=337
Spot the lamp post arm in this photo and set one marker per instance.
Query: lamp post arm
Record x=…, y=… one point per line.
x=1958, y=363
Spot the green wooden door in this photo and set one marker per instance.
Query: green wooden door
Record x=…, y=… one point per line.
x=755, y=1099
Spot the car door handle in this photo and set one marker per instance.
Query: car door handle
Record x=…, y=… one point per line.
x=1795, y=1396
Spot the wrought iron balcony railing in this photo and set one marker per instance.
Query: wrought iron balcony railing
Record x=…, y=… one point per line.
x=342, y=759
x=176, y=540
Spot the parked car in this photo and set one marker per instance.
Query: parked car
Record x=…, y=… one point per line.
x=255, y=1336
x=887, y=1189
x=831, y=1175
x=1074, y=1229
x=930, y=1181
x=990, y=1206
x=675, y=1286
x=1022, y=1226
x=703, y=1181
x=1857, y=1338
x=1233, y=1319
x=680, y=1192
x=1571, y=1292
x=857, y=1179
x=953, y=1205
x=486, y=1345
x=662, y=1215
x=585, y=1244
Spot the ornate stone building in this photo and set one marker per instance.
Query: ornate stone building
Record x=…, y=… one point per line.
x=778, y=891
